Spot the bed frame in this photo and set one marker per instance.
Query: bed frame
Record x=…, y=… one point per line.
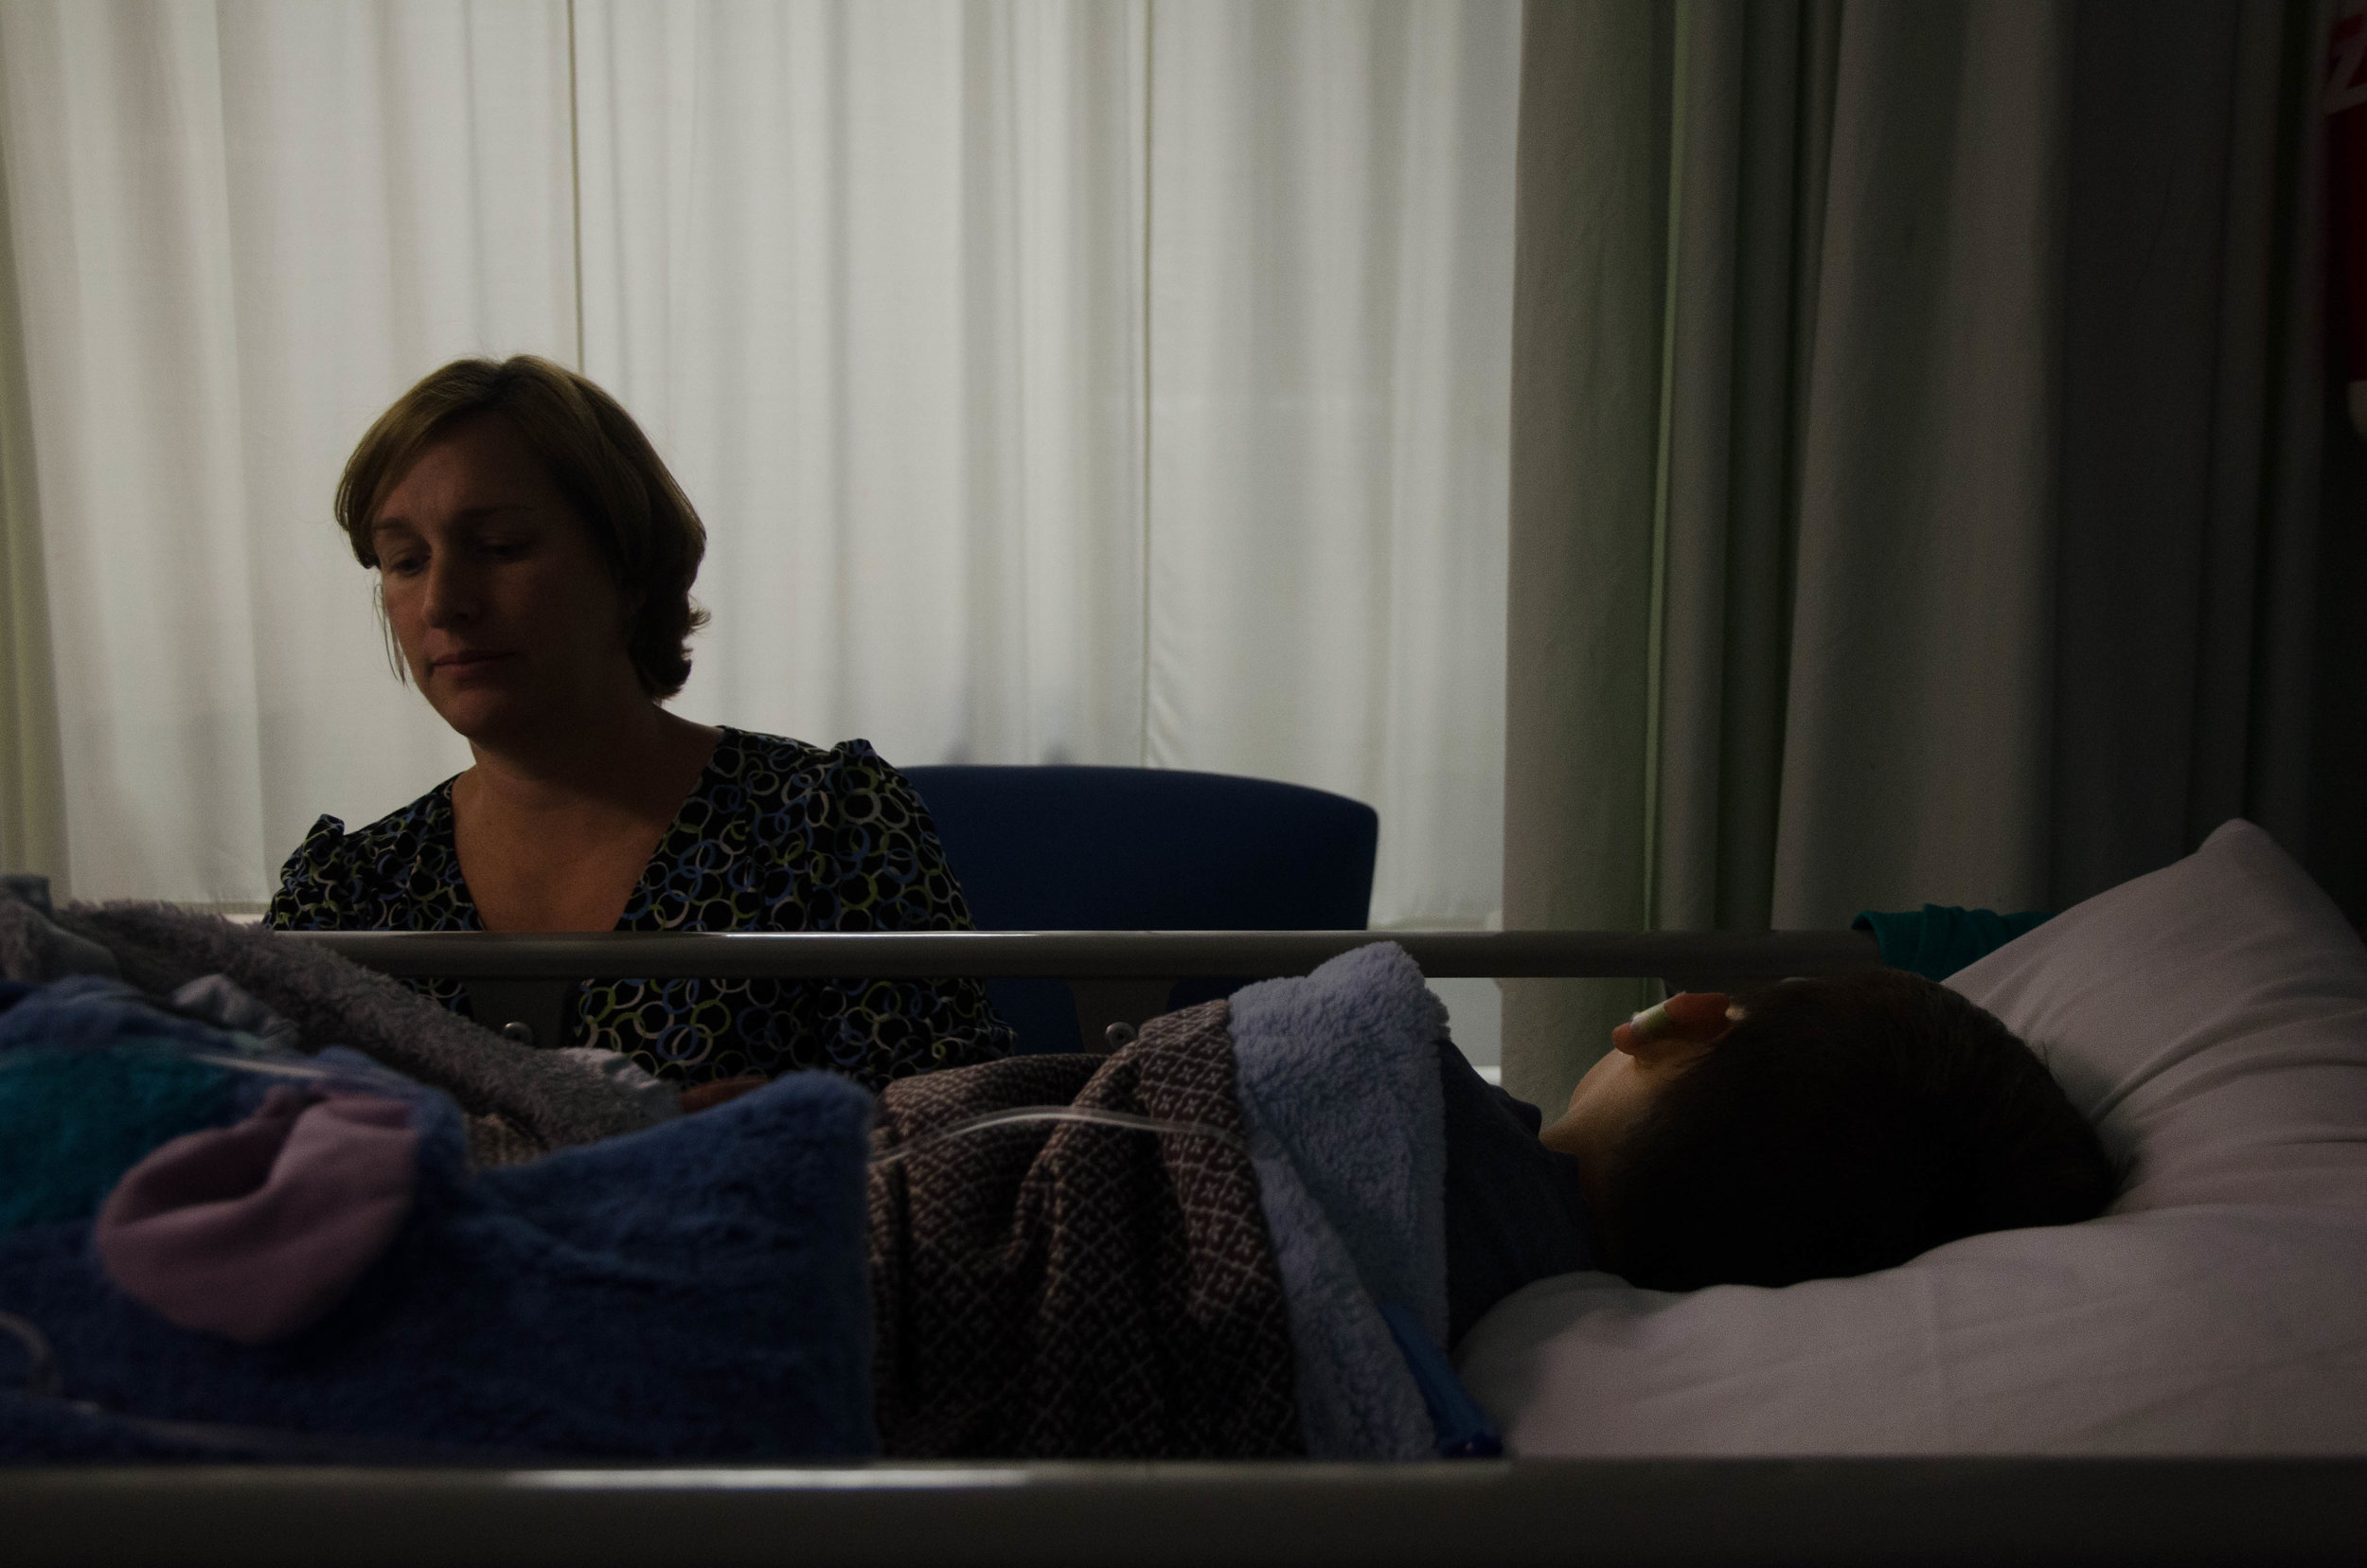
x=1461, y=1512
x=1116, y=976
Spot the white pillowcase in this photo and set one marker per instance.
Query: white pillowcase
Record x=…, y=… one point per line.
x=2212, y=1018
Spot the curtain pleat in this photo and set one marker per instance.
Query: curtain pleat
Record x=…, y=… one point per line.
x=121, y=248
x=32, y=789
x=1727, y=529
x=1996, y=523
x=872, y=277
x=239, y=232
x=1587, y=338
x=1918, y=719
x=1074, y=382
x=2193, y=439
x=1330, y=328
x=1092, y=383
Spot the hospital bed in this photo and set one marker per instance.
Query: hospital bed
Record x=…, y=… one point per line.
x=1995, y=1508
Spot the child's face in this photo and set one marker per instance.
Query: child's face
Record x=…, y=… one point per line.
x=1616, y=1092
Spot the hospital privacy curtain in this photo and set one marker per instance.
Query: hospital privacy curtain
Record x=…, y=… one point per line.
x=1923, y=482
x=1102, y=382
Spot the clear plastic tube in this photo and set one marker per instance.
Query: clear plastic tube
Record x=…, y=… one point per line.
x=1082, y=1114
x=263, y=1068
x=1016, y=1116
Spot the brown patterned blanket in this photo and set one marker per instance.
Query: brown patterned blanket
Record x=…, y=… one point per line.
x=1076, y=1290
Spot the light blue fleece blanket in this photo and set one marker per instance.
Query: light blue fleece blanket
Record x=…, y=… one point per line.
x=1337, y=1078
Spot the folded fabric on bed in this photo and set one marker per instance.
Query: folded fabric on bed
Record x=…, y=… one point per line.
x=1078, y=1290
x=94, y=1076
x=695, y=1289
x=33, y=946
x=517, y=1096
x=90, y=1081
x=1211, y=1287
x=691, y=1291
x=1338, y=1076
x=257, y=1231
x=1939, y=940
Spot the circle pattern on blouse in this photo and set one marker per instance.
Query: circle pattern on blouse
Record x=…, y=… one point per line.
x=776, y=835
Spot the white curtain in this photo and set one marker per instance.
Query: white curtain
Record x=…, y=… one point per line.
x=871, y=274
x=1097, y=382
x=1331, y=311
x=239, y=231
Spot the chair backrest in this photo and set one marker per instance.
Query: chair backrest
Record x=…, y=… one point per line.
x=1068, y=848
x=1075, y=849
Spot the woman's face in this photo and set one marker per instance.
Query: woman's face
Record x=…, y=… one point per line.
x=504, y=610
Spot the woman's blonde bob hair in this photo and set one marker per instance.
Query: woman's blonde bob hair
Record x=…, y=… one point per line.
x=645, y=527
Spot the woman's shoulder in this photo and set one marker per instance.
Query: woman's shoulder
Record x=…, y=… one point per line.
x=842, y=822
x=330, y=848
x=395, y=873
x=776, y=767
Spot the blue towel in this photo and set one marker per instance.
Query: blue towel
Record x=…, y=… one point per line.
x=694, y=1290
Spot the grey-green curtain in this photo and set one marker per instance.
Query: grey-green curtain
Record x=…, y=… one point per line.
x=32, y=823
x=1922, y=482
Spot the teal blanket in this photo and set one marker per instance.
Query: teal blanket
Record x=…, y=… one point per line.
x=1939, y=940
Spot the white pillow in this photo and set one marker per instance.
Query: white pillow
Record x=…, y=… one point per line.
x=2212, y=1016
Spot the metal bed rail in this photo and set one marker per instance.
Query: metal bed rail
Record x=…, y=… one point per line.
x=1115, y=976
x=1730, y=1513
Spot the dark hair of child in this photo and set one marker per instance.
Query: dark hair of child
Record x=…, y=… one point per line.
x=1844, y=1125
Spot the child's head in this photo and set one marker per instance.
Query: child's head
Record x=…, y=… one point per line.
x=1841, y=1125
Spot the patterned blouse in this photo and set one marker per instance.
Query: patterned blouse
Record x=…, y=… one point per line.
x=776, y=835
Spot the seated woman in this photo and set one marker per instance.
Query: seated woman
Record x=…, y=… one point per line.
x=534, y=562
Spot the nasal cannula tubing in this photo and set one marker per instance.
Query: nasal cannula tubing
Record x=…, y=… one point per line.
x=1084, y=1115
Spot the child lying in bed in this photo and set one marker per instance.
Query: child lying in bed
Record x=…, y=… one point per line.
x=1822, y=1127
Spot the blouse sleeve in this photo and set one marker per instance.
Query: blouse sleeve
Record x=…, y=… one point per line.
x=337, y=881
x=305, y=900
x=875, y=865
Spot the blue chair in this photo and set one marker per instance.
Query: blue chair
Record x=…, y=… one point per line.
x=1069, y=848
